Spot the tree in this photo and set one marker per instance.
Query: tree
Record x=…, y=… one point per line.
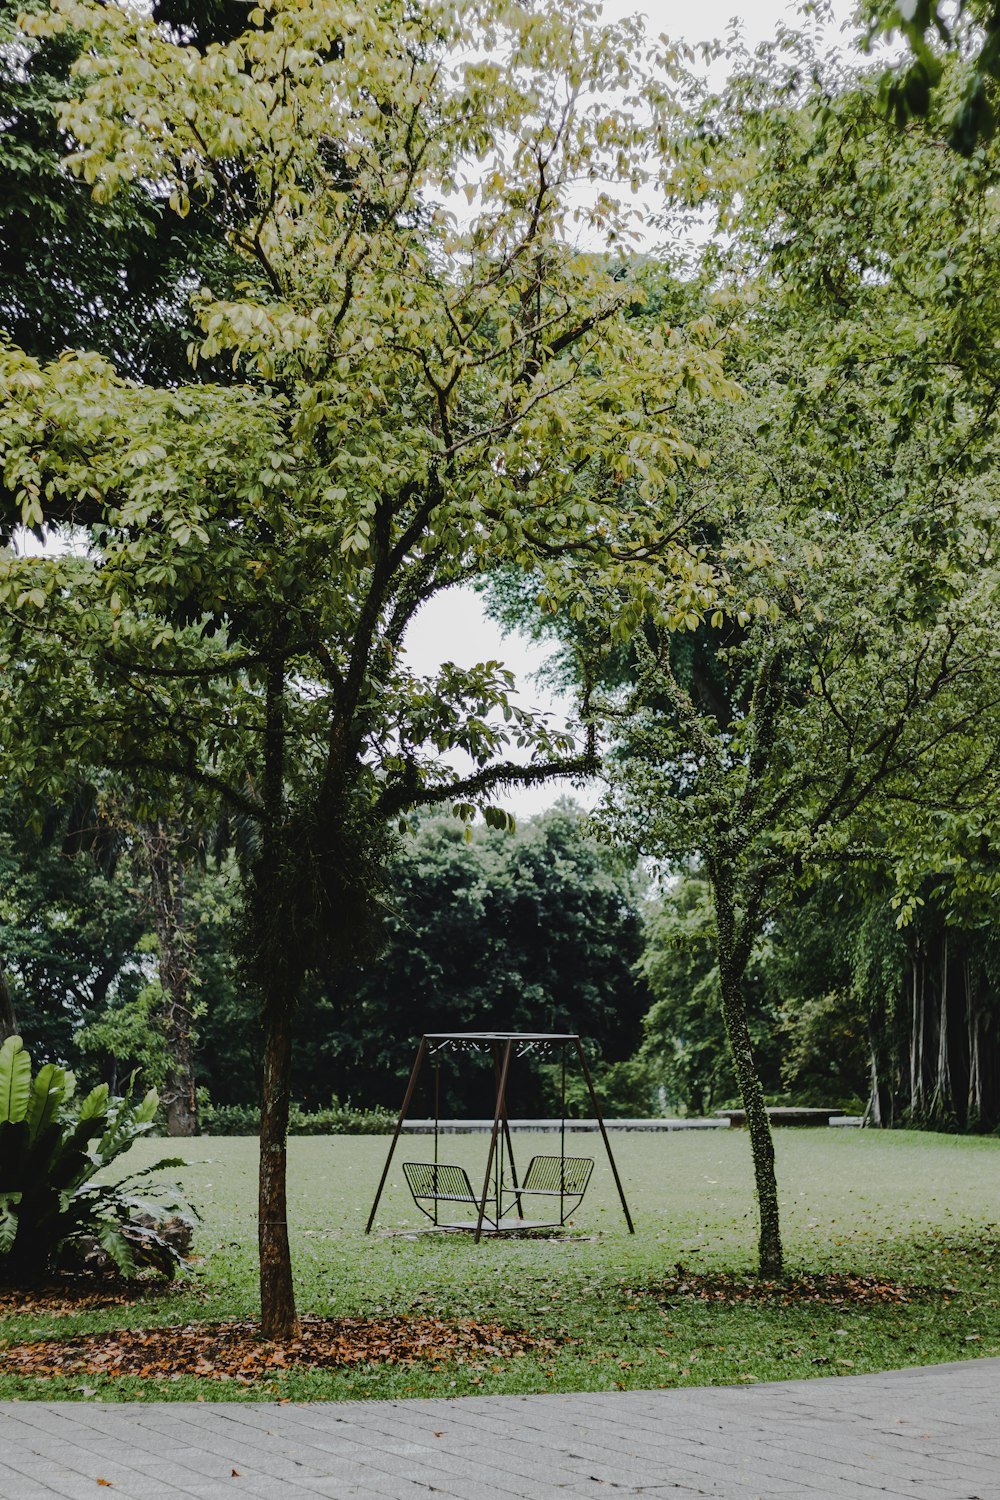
x=88, y=915
x=848, y=710
x=839, y=705
x=113, y=277
x=417, y=401
x=929, y=993
x=851, y=505
x=533, y=930
x=968, y=37
x=70, y=932
x=806, y=999
x=75, y=273
x=684, y=1035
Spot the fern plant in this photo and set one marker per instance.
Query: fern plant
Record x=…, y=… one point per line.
x=51, y=1208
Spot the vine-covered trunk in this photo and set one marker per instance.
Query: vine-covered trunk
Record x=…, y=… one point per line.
x=176, y=971
x=771, y=1255
x=731, y=970
x=8, y=1018
x=974, y=1093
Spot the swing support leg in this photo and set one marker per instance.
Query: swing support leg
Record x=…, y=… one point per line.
x=505, y=1125
x=497, y=1117
x=607, y=1144
x=407, y=1097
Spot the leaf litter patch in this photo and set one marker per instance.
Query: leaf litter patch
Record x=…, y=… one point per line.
x=235, y=1350
x=65, y=1295
x=829, y=1289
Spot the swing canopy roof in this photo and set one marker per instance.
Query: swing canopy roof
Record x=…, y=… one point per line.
x=475, y=1041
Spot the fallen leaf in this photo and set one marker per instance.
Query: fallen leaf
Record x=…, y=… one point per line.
x=835, y=1290
x=236, y=1351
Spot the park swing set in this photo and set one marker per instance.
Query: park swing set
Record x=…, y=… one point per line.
x=553, y=1186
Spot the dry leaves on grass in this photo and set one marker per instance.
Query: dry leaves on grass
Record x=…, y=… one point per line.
x=234, y=1351
x=67, y=1295
x=834, y=1290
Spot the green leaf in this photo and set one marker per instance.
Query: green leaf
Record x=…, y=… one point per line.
x=15, y=1081
x=8, y=1221
x=147, y=1109
x=47, y=1094
x=96, y=1103
x=111, y=1239
x=166, y=1163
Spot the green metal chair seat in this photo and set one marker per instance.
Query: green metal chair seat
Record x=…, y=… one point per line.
x=562, y=1177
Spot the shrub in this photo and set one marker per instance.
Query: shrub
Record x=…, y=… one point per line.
x=338, y=1119
x=51, y=1209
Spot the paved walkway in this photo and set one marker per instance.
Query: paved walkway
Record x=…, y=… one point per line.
x=928, y=1434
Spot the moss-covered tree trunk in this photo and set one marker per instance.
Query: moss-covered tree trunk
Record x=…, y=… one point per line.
x=8, y=1018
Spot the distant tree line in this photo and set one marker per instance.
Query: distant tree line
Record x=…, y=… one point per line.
x=538, y=929
x=544, y=928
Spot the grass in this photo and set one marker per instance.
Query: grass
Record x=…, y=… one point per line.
x=918, y=1209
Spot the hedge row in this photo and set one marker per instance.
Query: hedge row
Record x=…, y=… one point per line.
x=338, y=1119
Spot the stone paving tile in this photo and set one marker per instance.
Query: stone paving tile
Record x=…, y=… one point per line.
x=929, y=1434
x=21, y=1482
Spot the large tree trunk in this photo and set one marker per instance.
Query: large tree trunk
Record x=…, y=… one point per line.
x=278, y=1317
x=731, y=972
x=8, y=1019
x=176, y=968
x=278, y=971
x=277, y=967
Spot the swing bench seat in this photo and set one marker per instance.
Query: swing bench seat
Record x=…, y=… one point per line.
x=558, y=1176
x=438, y=1182
x=434, y=1183
x=562, y=1177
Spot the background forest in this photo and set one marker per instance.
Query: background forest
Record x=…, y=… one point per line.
x=543, y=927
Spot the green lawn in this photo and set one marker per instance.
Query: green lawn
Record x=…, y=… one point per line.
x=918, y=1209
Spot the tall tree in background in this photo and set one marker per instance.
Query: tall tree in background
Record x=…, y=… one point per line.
x=115, y=278
x=536, y=930
x=851, y=502
x=417, y=402
x=842, y=707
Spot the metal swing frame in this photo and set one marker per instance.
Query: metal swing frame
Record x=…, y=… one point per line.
x=547, y=1176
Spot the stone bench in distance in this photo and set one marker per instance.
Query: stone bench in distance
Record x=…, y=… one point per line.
x=792, y=1115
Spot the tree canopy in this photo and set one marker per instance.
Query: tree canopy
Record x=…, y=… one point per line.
x=838, y=706
x=538, y=930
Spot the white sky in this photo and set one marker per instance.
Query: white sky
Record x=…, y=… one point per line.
x=454, y=626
